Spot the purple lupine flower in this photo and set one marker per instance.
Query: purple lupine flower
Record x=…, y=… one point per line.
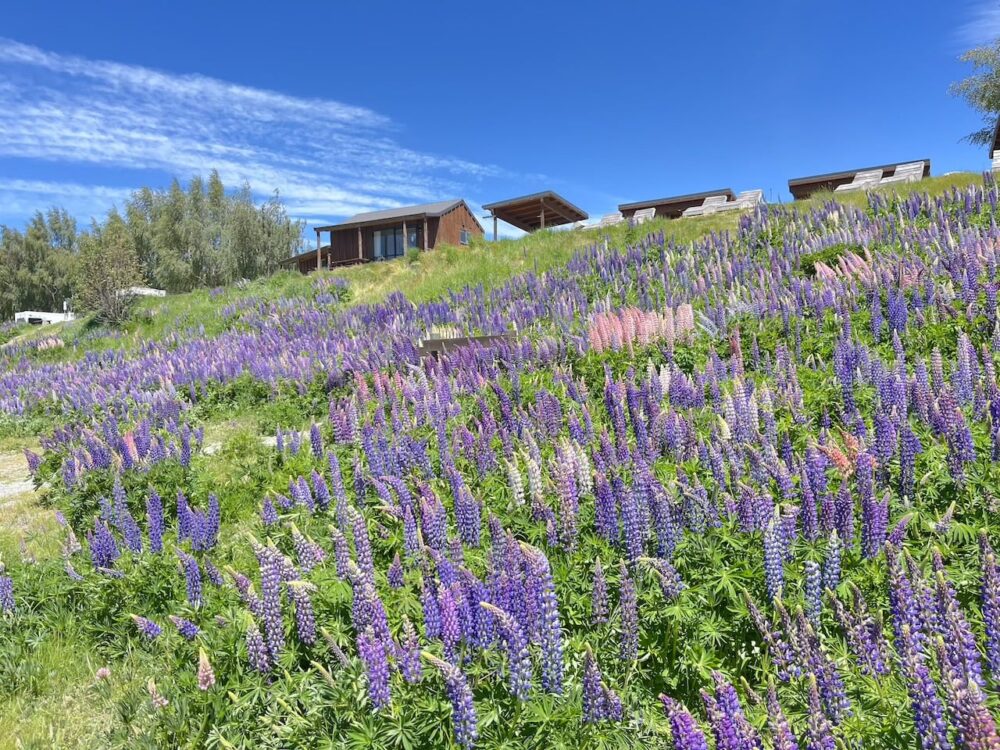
x=974, y=724
x=154, y=515
x=341, y=552
x=33, y=460
x=684, y=730
x=373, y=654
x=863, y=634
x=961, y=643
x=395, y=574
x=606, y=510
x=550, y=627
x=782, y=736
x=316, y=440
x=305, y=619
x=185, y=627
x=629, y=613
x=635, y=530
x=431, y=610
x=819, y=733
x=268, y=513
x=6, y=594
x=813, y=591
x=774, y=555
x=411, y=535
x=305, y=550
x=408, y=653
x=898, y=533
x=831, y=563
x=192, y=577
x=103, y=547
x=131, y=533
x=729, y=723
x=599, y=596
x=213, y=522
x=874, y=525
x=147, y=627
x=71, y=572
x=990, y=596
x=270, y=588
x=257, y=650
x=463, y=712
x=451, y=627
x=515, y=642
x=595, y=708
x=362, y=547
x=670, y=580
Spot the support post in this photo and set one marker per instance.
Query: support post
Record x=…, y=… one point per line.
x=319, y=252
x=543, y=216
x=494, y=227
x=406, y=239
x=425, y=233
x=361, y=254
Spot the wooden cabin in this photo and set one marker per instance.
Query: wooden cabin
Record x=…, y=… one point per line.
x=672, y=208
x=388, y=234
x=803, y=187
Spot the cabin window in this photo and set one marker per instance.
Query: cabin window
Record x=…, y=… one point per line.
x=463, y=236
x=388, y=243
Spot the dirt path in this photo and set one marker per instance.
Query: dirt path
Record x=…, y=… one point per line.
x=13, y=474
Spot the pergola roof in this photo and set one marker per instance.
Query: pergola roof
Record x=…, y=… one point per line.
x=526, y=212
x=803, y=187
x=678, y=202
x=996, y=138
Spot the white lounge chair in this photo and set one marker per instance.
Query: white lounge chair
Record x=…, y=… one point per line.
x=913, y=172
x=643, y=215
x=611, y=219
x=709, y=206
x=861, y=181
x=746, y=199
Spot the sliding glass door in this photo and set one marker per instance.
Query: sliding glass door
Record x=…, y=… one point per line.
x=389, y=242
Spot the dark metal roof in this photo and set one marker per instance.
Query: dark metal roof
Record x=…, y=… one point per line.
x=676, y=199
x=524, y=212
x=996, y=138
x=397, y=214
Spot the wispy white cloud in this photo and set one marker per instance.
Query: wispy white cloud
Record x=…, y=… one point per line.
x=21, y=197
x=982, y=25
x=325, y=158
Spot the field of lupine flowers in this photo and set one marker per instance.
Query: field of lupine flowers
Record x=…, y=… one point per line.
x=735, y=493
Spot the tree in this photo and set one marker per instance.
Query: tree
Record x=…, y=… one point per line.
x=108, y=268
x=36, y=264
x=981, y=90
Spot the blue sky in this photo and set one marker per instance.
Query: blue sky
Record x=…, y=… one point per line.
x=344, y=107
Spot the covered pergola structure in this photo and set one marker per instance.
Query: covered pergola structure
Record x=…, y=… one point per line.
x=536, y=211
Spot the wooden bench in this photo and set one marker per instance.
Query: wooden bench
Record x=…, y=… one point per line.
x=438, y=346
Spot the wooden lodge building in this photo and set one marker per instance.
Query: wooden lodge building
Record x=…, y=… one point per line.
x=383, y=235
x=803, y=187
x=674, y=207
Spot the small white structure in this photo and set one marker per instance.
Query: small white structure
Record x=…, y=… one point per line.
x=996, y=161
x=864, y=180
x=36, y=318
x=913, y=172
x=643, y=215
x=611, y=219
x=146, y=291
